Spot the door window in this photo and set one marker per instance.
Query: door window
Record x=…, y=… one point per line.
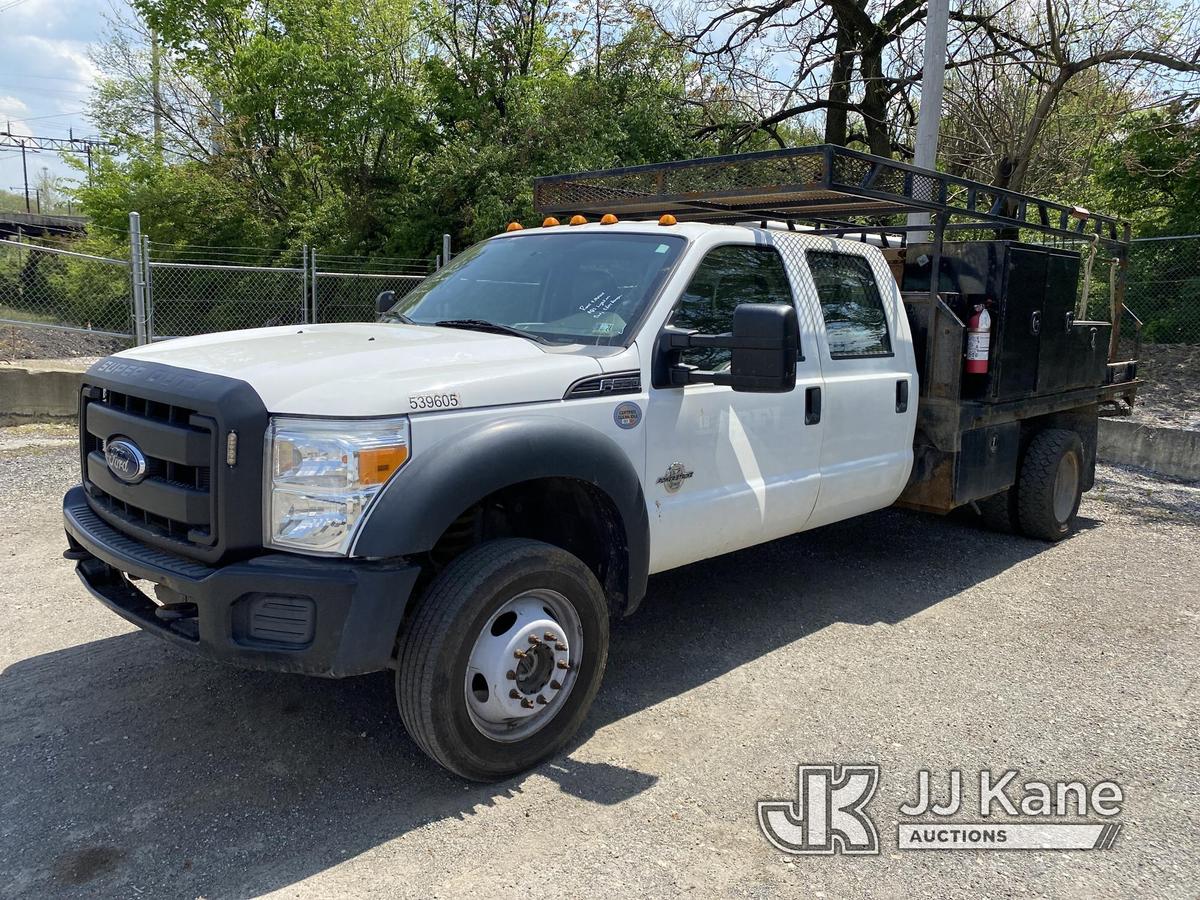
x=850, y=302
x=726, y=277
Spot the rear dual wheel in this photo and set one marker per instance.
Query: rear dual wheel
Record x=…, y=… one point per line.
x=503, y=657
x=1050, y=486
x=1045, y=500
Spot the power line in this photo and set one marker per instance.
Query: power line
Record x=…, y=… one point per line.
x=11, y=4
x=54, y=144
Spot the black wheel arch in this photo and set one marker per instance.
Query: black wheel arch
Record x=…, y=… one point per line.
x=425, y=497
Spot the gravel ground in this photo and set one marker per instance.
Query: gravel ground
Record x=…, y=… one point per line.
x=1170, y=396
x=23, y=342
x=130, y=769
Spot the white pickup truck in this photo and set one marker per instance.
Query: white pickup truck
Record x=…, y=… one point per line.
x=469, y=489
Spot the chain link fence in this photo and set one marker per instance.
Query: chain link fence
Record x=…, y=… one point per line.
x=63, y=289
x=199, y=290
x=344, y=288
x=1163, y=288
x=158, y=291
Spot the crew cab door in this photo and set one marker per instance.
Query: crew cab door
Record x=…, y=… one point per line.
x=867, y=363
x=726, y=469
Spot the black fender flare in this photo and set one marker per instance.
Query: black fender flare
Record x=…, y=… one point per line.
x=439, y=483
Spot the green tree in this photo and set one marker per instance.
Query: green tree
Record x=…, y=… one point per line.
x=372, y=128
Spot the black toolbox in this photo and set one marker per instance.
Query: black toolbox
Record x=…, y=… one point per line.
x=1037, y=347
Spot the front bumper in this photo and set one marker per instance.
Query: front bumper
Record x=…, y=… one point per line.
x=278, y=611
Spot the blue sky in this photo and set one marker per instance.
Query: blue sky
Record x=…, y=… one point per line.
x=45, y=74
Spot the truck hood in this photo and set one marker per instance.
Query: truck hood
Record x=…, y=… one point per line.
x=372, y=369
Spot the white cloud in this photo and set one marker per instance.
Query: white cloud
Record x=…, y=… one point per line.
x=12, y=106
x=47, y=74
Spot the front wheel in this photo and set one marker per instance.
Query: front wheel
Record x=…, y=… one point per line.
x=502, y=658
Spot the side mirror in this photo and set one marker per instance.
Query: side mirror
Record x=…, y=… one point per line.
x=763, y=346
x=385, y=301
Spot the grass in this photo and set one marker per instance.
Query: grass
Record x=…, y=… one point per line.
x=22, y=315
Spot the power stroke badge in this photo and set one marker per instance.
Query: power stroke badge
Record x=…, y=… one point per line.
x=674, y=477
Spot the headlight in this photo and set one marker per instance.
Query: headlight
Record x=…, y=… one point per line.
x=324, y=474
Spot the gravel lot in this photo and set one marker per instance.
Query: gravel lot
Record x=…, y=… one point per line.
x=24, y=342
x=128, y=768
x=1170, y=396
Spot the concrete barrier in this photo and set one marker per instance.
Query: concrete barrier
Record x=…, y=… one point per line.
x=1167, y=451
x=40, y=389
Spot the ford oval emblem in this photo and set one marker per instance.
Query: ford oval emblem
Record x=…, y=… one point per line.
x=125, y=460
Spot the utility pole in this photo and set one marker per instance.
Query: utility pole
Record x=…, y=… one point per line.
x=25, y=173
x=156, y=89
x=932, y=79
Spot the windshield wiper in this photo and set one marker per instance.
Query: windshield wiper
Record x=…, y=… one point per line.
x=495, y=327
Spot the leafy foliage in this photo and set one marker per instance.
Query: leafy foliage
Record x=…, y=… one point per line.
x=371, y=128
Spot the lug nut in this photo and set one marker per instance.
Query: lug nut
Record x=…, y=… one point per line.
x=534, y=639
x=561, y=648
x=514, y=694
x=563, y=664
x=526, y=703
x=511, y=676
x=550, y=636
x=519, y=654
x=557, y=686
x=541, y=700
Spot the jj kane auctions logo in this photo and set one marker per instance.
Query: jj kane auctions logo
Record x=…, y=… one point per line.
x=829, y=814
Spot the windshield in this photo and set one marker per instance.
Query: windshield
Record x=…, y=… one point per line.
x=581, y=288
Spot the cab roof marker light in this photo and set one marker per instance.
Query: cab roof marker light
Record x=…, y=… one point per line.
x=608, y=219
x=578, y=220
x=515, y=226
x=667, y=219
x=550, y=222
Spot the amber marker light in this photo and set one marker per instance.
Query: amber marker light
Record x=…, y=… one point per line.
x=375, y=466
x=608, y=219
x=515, y=226
x=550, y=222
x=578, y=220
x=668, y=219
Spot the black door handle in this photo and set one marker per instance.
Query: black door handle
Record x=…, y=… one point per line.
x=812, y=405
x=902, y=395
x=1035, y=322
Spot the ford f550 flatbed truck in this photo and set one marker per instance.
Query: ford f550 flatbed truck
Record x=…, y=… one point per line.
x=701, y=357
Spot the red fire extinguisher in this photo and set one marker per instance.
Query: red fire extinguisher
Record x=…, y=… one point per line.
x=979, y=338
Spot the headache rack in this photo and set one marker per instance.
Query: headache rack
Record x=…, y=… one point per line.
x=838, y=192
x=827, y=186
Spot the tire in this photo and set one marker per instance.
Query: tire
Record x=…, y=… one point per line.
x=462, y=625
x=1050, y=484
x=996, y=512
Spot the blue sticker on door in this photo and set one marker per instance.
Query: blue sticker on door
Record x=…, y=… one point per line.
x=627, y=415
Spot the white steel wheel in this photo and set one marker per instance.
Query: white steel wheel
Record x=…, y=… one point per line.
x=1066, y=487
x=501, y=657
x=523, y=665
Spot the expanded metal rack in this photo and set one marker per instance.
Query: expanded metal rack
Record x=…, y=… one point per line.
x=836, y=191
x=825, y=185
